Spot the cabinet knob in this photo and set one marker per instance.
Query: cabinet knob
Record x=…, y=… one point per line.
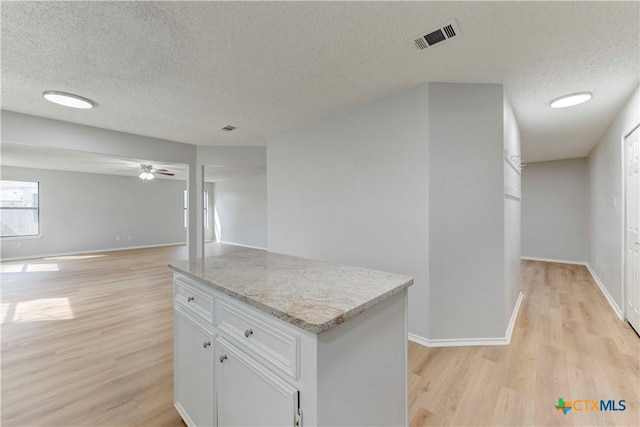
x=248, y=333
x=206, y=344
x=189, y=299
x=223, y=358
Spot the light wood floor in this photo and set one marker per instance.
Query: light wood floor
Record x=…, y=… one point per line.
x=87, y=340
x=566, y=343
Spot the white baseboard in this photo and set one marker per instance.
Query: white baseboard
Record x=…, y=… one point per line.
x=514, y=317
x=457, y=342
x=465, y=342
x=92, y=251
x=185, y=416
x=243, y=246
x=614, y=306
x=558, y=261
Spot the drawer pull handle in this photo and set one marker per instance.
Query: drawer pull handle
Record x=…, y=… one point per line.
x=206, y=344
x=248, y=333
x=189, y=299
x=223, y=358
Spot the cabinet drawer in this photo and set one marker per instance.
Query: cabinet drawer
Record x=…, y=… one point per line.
x=276, y=345
x=194, y=299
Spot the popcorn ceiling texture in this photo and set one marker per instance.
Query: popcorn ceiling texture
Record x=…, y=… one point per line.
x=183, y=70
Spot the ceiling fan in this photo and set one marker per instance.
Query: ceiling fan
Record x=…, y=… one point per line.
x=147, y=171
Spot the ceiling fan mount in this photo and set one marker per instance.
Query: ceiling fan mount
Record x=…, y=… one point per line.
x=147, y=171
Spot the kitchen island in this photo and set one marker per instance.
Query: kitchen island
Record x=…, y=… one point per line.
x=269, y=339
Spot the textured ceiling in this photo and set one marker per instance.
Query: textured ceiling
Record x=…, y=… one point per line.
x=182, y=70
x=26, y=156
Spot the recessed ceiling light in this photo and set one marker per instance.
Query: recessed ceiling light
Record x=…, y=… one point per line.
x=570, y=100
x=67, y=99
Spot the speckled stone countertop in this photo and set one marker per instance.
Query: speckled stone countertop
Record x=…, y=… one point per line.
x=312, y=295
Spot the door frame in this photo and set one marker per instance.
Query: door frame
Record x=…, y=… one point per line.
x=623, y=211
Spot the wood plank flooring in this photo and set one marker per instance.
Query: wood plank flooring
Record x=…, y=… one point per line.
x=567, y=343
x=87, y=340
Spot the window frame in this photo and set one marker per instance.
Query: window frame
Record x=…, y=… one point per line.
x=206, y=209
x=38, y=234
x=205, y=200
x=186, y=211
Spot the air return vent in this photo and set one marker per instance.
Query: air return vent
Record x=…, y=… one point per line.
x=438, y=35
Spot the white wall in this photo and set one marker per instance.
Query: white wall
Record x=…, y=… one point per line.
x=85, y=212
x=606, y=197
x=353, y=189
x=241, y=210
x=512, y=211
x=466, y=211
x=555, y=210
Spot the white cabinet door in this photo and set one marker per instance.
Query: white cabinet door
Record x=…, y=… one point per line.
x=193, y=372
x=249, y=394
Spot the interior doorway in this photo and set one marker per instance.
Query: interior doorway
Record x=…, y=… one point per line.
x=631, y=145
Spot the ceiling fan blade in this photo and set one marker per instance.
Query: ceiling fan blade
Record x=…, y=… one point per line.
x=163, y=173
x=159, y=170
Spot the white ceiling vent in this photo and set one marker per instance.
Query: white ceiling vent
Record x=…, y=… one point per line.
x=437, y=35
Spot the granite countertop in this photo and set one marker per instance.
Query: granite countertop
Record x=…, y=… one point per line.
x=312, y=295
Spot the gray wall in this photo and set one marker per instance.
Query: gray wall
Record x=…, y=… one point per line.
x=39, y=131
x=231, y=156
x=605, y=190
x=85, y=212
x=555, y=210
x=228, y=156
x=353, y=189
x=241, y=210
x=466, y=211
x=412, y=183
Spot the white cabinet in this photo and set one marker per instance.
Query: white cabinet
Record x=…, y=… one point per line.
x=231, y=385
x=235, y=365
x=250, y=394
x=193, y=371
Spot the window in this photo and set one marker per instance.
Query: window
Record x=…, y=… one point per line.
x=186, y=213
x=206, y=209
x=19, y=208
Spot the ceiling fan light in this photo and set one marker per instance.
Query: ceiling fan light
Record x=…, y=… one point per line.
x=570, y=100
x=143, y=175
x=150, y=176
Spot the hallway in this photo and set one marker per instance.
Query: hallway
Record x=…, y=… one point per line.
x=567, y=343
